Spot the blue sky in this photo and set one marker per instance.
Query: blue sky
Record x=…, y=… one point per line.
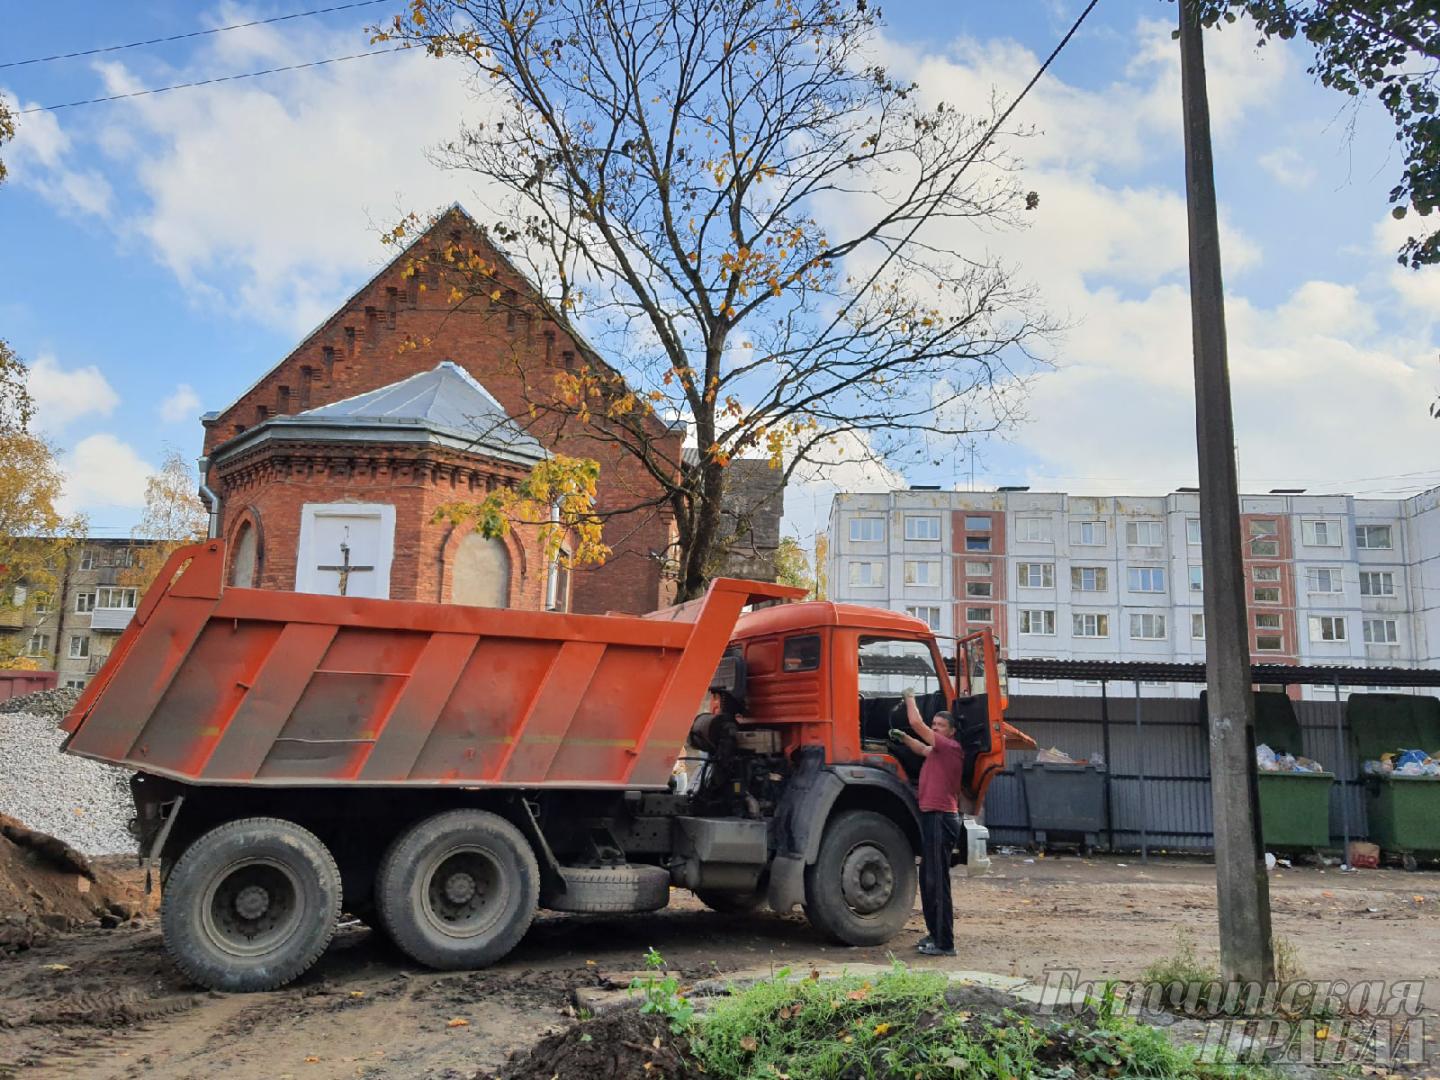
x=160, y=253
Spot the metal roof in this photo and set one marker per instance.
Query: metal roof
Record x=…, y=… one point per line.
x=1277, y=674
x=444, y=405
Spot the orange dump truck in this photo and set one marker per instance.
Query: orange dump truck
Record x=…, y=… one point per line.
x=444, y=771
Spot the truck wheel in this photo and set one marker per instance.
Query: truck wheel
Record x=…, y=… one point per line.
x=612, y=889
x=729, y=902
x=458, y=890
x=861, y=890
x=250, y=905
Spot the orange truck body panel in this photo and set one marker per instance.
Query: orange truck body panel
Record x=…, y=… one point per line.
x=215, y=685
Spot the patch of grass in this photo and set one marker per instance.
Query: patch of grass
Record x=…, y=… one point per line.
x=901, y=1025
x=1182, y=966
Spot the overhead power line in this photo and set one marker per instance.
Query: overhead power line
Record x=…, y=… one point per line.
x=191, y=34
x=212, y=82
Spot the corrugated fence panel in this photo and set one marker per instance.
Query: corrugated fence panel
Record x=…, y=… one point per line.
x=1160, y=773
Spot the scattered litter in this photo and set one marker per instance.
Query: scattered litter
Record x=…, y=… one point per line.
x=1029, y=860
x=1269, y=860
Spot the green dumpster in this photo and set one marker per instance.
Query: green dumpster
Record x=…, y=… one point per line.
x=1294, y=806
x=1404, y=811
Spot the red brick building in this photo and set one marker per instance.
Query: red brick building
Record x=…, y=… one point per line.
x=401, y=402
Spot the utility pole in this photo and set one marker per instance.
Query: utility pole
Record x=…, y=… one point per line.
x=1242, y=888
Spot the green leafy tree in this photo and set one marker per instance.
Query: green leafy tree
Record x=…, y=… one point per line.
x=792, y=565
x=731, y=195
x=1388, y=48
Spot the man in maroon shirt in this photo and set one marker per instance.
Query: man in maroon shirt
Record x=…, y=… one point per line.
x=941, y=778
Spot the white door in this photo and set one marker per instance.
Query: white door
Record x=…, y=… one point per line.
x=345, y=549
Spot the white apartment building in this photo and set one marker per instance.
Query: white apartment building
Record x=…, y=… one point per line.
x=1330, y=579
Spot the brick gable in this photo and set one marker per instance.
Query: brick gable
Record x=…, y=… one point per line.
x=392, y=328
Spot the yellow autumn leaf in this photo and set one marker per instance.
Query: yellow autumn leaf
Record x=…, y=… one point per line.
x=456, y=1022
x=882, y=1029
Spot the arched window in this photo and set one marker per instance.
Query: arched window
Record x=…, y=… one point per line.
x=243, y=554
x=481, y=576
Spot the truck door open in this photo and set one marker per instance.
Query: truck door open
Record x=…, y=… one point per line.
x=886, y=667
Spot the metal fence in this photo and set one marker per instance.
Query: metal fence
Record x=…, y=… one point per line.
x=1159, y=768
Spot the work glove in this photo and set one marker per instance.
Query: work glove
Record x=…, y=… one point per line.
x=897, y=735
x=907, y=693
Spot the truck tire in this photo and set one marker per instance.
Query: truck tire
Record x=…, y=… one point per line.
x=612, y=889
x=250, y=905
x=458, y=890
x=861, y=890
x=729, y=902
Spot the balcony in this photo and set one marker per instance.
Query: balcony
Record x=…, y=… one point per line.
x=115, y=619
x=12, y=618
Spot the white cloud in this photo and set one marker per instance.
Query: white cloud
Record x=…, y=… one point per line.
x=103, y=472
x=181, y=406
x=63, y=395
x=39, y=158
x=1288, y=166
x=269, y=195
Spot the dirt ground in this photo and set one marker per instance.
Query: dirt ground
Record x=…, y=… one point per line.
x=107, y=1003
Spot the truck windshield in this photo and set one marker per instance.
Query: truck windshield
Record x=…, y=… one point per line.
x=888, y=666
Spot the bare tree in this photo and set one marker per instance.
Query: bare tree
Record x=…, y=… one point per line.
x=732, y=195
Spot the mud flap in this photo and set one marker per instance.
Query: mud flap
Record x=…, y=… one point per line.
x=787, y=883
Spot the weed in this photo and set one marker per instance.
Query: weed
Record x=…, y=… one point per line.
x=661, y=992
x=1182, y=966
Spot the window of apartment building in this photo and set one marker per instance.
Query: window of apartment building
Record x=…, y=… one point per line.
x=1035, y=575
x=1321, y=533
x=1146, y=579
x=977, y=568
x=977, y=524
x=84, y=601
x=1265, y=573
x=1268, y=643
x=1145, y=533
x=981, y=590
x=1037, y=621
x=1035, y=530
x=1380, y=631
x=1090, y=624
x=1197, y=578
x=1192, y=530
x=977, y=543
x=867, y=574
x=74, y=684
x=1266, y=594
x=1324, y=579
x=1087, y=532
x=42, y=603
x=115, y=598
x=1147, y=626
x=1327, y=628
x=1267, y=620
x=1373, y=537
x=928, y=614
x=921, y=572
x=38, y=645
x=79, y=646
x=921, y=528
x=982, y=615
x=1089, y=578
x=1377, y=583
x=867, y=528
x=87, y=558
x=1265, y=538
x=19, y=595
x=1197, y=625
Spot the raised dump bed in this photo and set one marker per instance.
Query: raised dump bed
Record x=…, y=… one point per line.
x=227, y=686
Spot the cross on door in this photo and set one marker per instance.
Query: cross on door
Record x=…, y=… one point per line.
x=345, y=569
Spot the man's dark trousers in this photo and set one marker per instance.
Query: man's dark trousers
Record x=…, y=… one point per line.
x=939, y=833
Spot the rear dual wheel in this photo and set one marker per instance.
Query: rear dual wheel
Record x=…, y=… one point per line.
x=458, y=890
x=250, y=905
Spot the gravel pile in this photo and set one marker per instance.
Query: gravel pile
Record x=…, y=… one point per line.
x=53, y=703
x=82, y=802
